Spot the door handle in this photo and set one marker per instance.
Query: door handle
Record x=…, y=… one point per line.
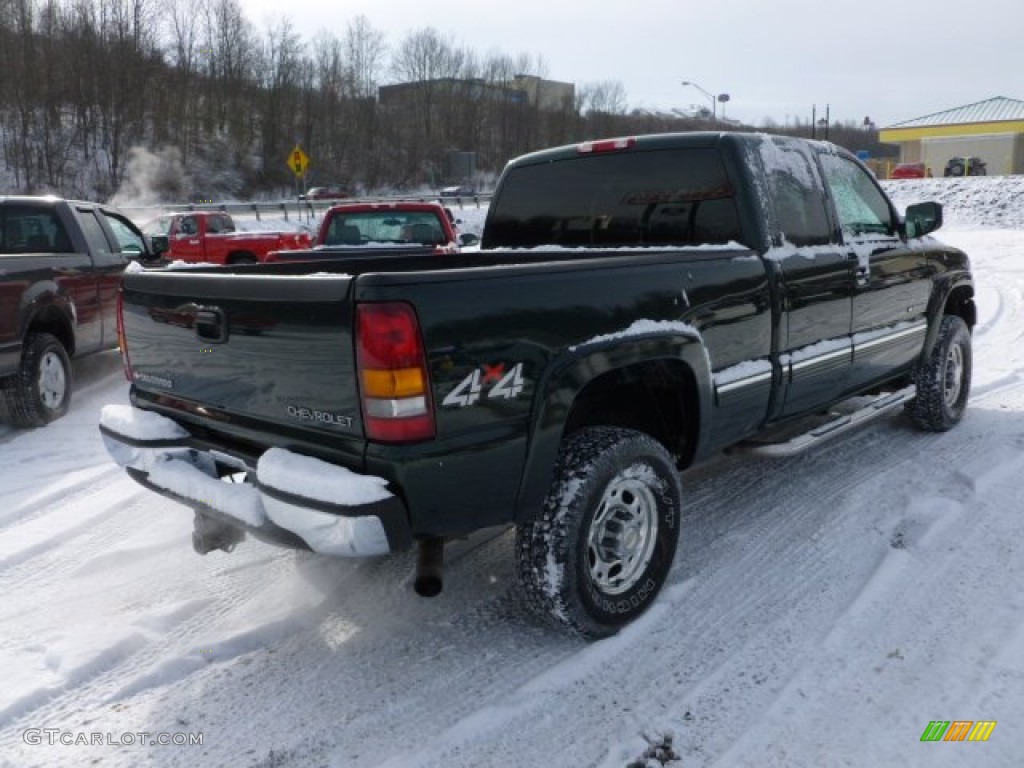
x=210, y=324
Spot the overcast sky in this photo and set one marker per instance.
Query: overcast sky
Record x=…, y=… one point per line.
x=890, y=60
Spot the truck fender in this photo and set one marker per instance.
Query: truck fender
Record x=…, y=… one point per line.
x=568, y=375
x=951, y=295
x=43, y=304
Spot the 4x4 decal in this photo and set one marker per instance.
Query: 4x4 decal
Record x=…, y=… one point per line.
x=492, y=378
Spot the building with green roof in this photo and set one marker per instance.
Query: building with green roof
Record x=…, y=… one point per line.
x=992, y=130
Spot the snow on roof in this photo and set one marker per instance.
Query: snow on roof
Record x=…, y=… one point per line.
x=991, y=110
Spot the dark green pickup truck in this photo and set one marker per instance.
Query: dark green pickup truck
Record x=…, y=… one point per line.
x=637, y=305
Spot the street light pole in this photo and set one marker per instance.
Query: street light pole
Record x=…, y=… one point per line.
x=714, y=100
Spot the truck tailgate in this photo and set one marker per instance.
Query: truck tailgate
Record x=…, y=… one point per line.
x=249, y=349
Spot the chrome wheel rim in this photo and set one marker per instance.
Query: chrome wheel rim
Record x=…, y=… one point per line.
x=954, y=375
x=622, y=535
x=53, y=382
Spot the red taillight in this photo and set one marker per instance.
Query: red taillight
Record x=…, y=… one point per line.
x=393, y=378
x=122, y=342
x=606, y=145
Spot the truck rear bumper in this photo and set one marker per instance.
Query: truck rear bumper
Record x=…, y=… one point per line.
x=285, y=495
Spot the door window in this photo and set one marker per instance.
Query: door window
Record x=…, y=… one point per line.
x=860, y=204
x=188, y=226
x=128, y=238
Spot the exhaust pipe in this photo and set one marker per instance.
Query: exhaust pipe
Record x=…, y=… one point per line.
x=429, y=566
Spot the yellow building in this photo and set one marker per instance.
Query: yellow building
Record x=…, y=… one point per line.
x=992, y=130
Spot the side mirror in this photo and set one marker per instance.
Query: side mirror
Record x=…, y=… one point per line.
x=922, y=219
x=158, y=244
x=468, y=238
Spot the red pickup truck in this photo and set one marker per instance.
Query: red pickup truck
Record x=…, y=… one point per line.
x=393, y=227
x=211, y=237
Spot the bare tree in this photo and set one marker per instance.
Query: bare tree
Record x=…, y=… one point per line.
x=282, y=68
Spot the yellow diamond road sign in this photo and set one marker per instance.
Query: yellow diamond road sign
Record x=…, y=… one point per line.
x=298, y=161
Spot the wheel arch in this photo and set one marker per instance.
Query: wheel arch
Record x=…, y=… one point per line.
x=952, y=298
x=658, y=384
x=52, y=315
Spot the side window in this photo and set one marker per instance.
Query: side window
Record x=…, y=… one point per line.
x=96, y=237
x=800, y=207
x=32, y=229
x=128, y=238
x=188, y=225
x=797, y=193
x=861, y=206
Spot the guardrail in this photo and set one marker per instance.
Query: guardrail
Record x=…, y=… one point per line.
x=301, y=210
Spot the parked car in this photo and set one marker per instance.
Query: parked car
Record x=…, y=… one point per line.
x=908, y=171
x=965, y=166
x=463, y=190
x=60, y=273
x=331, y=192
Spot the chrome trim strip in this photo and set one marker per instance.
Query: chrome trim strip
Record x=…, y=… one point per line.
x=749, y=381
x=889, y=338
x=817, y=360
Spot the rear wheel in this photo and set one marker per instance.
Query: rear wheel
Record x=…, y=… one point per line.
x=40, y=391
x=243, y=258
x=944, y=382
x=600, y=549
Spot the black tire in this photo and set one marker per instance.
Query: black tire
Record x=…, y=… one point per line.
x=955, y=169
x=40, y=391
x=243, y=258
x=944, y=382
x=612, y=488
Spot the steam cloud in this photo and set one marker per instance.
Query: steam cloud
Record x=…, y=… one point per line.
x=151, y=178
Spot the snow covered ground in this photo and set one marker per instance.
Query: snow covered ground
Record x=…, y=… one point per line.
x=822, y=610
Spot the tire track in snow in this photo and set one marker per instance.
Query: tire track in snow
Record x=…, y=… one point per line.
x=168, y=657
x=152, y=637
x=87, y=482
x=741, y=579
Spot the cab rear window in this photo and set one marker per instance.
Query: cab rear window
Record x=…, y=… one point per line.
x=660, y=197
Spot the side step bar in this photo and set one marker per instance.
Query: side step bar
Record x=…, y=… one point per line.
x=880, y=406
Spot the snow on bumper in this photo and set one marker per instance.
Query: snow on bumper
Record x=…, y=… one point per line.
x=335, y=511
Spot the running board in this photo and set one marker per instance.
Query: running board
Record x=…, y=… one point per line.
x=868, y=412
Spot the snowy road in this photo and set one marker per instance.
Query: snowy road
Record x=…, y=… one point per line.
x=822, y=610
